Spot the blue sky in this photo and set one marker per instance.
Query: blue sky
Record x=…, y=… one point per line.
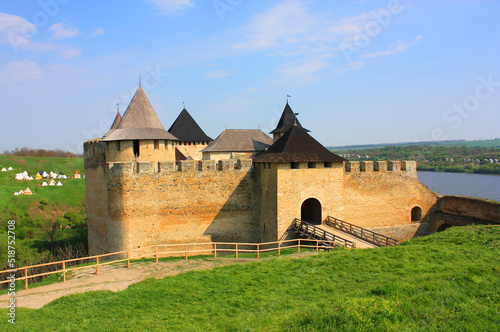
x=358, y=72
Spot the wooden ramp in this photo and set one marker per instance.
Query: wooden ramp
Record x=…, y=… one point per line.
x=359, y=243
x=342, y=233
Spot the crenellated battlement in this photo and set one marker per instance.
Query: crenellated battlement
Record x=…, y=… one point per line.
x=404, y=167
x=151, y=167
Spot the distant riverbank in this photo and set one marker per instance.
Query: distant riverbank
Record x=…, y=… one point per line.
x=462, y=184
x=491, y=169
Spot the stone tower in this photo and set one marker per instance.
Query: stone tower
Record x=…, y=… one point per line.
x=287, y=120
x=299, y=178
x=139, y=135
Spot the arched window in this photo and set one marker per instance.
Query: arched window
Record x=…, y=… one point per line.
x=416, y=214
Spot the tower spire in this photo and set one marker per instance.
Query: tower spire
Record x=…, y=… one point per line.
x=140, y=83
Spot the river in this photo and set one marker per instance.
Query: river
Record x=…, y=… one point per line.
x=463, y=184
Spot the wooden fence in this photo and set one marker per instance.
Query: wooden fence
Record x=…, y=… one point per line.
x=163, y=250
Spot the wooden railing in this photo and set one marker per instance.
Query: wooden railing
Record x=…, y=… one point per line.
x=165, y=250
x=362, y=233
x=303, y=228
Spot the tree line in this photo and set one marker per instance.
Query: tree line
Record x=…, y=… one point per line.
x=29, y=152
x=435, y=158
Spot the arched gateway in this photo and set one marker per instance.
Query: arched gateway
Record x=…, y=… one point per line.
x=310, y=211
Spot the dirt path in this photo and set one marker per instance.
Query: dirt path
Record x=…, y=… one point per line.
x=115, y=278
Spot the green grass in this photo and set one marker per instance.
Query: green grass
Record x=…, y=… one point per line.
x=71, y=194
x=448, y=281
x=34, y=214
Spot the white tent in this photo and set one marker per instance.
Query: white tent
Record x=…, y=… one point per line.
x=4, y=169
x=44, y=184
x=53, y=175
x=21, y=192
x=45, y=175
x=10, y=169
x=59, y=183
x=16, y=193
x=19, y=177
x=52, y=183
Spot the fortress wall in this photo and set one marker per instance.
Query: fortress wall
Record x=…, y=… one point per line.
x=470, y=207
x=147, y=207
x=384, y=196
x=192, y=149
x=96, y=196
x=296, y=185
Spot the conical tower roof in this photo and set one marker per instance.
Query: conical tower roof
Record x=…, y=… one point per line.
x=186, y=129
x=296, y=145
x=139, y=122
x=118, y=118
x=287, y=120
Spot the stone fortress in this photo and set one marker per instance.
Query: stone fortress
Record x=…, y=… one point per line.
x=146, y=185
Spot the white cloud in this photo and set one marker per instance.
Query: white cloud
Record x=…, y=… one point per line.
x=397, y=47
x=19, y=33
x=315, y=41
x=15, y=29
x=20, y=72
x=98, y=31
x=353, y=65
x=288, y=22
x=218, y=74
x=64, y=30
x=67, y=68
x=172, y=6
x=302, y=72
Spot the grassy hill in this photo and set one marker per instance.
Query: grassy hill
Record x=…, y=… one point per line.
x=448, y=281
x=36, y=215
x=490, y=143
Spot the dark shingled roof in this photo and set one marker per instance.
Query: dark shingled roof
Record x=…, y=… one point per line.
x=287, y=120
x=139, y=122
x=187, y=130
x=296, y=145
x=240, y=140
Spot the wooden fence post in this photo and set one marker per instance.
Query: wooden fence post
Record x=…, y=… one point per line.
x=64, y=271
x=298, y=247
x=186, y=253
x=258, y=250
x=128, y=259
x=26, y=280
x=236, y=250
x=97, y=266
x=317, y=245
x=279, y=248
x=156, y=254
x=215, y=250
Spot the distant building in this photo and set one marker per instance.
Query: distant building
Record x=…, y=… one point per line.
x=237, y=144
